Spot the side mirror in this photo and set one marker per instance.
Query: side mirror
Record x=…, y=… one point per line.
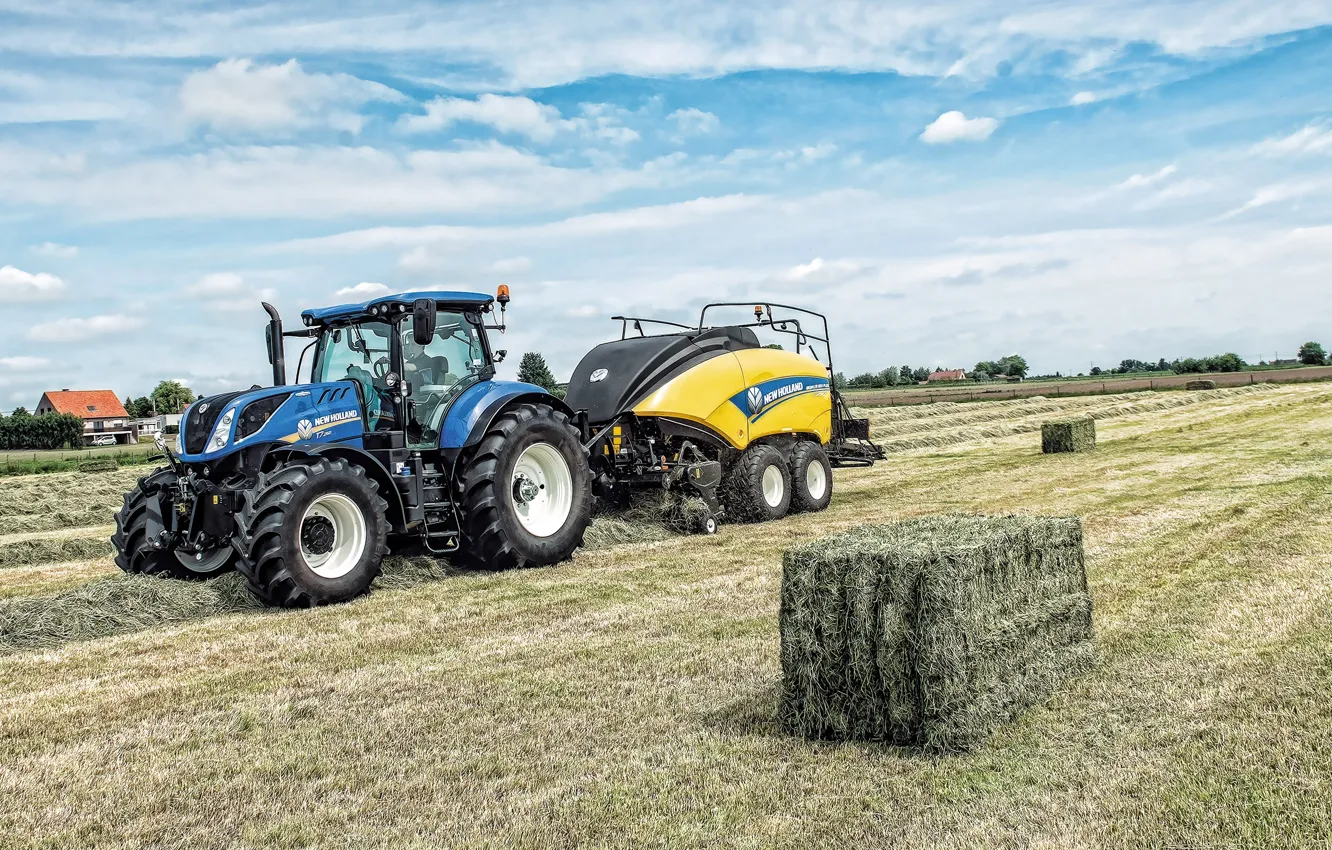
x=423, y=321
x=500, y=355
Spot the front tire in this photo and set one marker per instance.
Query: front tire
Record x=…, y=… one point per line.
x=139, y=521
x=758, y=487
x=312, y=532
x=526, y=491
x=811, y=478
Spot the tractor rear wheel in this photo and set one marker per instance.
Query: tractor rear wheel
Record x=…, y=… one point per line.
x=526, y=491
x=811, y=477
x=312, y=532
x=139, y=521
x=758, y=486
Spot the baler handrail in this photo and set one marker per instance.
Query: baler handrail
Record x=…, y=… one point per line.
x=637, y=320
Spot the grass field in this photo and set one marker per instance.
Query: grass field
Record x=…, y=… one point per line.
x=628, y=698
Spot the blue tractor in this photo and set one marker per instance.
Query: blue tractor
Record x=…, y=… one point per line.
x=402, y=437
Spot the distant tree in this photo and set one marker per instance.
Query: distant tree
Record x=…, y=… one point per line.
x=1096, y=370
x=1015, y=366
x=987, y=368
x=839, y=381
x=1312, y=354
x=862, y=381
x=139, y=408
x=532, y=369
x=904, y=374
x=1228, y=362
x=921, y=374
x=776, y=346
x=172, y=397
x=20, y=411
x=1162, y=365
x=890, y=377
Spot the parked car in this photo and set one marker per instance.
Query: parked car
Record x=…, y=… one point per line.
x=104, y=440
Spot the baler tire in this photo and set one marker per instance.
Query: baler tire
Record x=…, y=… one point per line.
x=744, y=495
x=494, y=536
x=271, y=530
x=809, y=460
x=134, y=552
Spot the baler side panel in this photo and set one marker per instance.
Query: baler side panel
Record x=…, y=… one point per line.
x=703, y=395
x=785, y=393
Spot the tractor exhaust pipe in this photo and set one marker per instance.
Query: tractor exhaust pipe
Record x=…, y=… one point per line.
x=276, y=348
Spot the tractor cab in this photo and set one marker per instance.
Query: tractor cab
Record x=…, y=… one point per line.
x=409, y=356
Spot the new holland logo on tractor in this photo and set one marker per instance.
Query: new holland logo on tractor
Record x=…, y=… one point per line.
x=302, y=494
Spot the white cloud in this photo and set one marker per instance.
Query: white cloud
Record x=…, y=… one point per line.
x=18, y=285
x=363, y=291
x=23, y=363
x=1138, y=181
x=1274, y=194
x=955, y=127
x=819, y=270
x=522, y=116
x=237, y=94
x=514, y=265
x=1083, y=98
x=56, y=250
x=77, y=330
x=507, y=114
x=694, y=122
x=1308, y=140
x=217, y=283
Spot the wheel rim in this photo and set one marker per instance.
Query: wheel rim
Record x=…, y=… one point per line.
x=773, y=486
x=333, y=535
x=816, y=480
x=541, y=490
x=204, y=562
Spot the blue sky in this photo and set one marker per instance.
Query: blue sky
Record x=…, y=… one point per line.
x=951, y=182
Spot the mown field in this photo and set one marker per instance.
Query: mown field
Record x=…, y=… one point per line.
x=628, y=698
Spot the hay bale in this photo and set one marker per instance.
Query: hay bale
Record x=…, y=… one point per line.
x=931, y=632
x=1200, y=385
x=1068, y=435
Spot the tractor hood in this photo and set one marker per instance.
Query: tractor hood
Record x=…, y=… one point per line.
x=216, y=426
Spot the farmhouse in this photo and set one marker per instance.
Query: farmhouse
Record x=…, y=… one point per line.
x=947, y=375
x=102, y=413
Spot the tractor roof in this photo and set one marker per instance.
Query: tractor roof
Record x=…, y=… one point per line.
x=400, y=302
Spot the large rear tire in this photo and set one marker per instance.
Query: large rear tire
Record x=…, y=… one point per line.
x=312, y=532
x=526, y=491
x=138, y=522
x=811, y=477
x=758, y=486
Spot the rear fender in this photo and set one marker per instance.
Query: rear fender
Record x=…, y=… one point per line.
x=471, y=415
x=397, y=515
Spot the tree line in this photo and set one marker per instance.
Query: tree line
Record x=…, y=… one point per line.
x=24, y=431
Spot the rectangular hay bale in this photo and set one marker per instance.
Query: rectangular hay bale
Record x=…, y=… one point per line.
x=1200, y=385
x=1068, y=435
x=931, y=632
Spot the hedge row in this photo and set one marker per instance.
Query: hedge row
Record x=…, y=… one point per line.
x=48, y=431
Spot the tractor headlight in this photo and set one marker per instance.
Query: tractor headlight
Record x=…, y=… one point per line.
x=222, y=433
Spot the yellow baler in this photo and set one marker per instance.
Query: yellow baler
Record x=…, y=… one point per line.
x=755, y=431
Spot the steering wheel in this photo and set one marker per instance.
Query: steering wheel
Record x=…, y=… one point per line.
x=381, y=367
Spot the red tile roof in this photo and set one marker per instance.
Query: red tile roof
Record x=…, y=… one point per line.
x=86, y=404
x=949, y=375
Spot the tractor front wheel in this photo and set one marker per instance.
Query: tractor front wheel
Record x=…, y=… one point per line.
x=526, y=491
x=139, y=522
x=312, y=532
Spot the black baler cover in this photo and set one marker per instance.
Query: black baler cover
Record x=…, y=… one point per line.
x=637, y=366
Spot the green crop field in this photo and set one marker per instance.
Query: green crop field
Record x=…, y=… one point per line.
x=629, y=698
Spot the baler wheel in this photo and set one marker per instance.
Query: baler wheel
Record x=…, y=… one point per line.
x=136, y=527
x=811, y=477
x=526, y=491
x=758, y=486
x=312, y=532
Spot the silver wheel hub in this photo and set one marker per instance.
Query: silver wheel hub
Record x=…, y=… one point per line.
x=816, y=480
x=541, y=490
x=204, y=562
x=333, y=535
x=773, y=486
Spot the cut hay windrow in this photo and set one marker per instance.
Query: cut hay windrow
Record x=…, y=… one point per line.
x=63, y=500
x=1152, y=402
x=651, y=516
x=977, y=414
x=935, y=408
x=931, y=632
x=122, y=604
x=54, y=549
x=1068, y=435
